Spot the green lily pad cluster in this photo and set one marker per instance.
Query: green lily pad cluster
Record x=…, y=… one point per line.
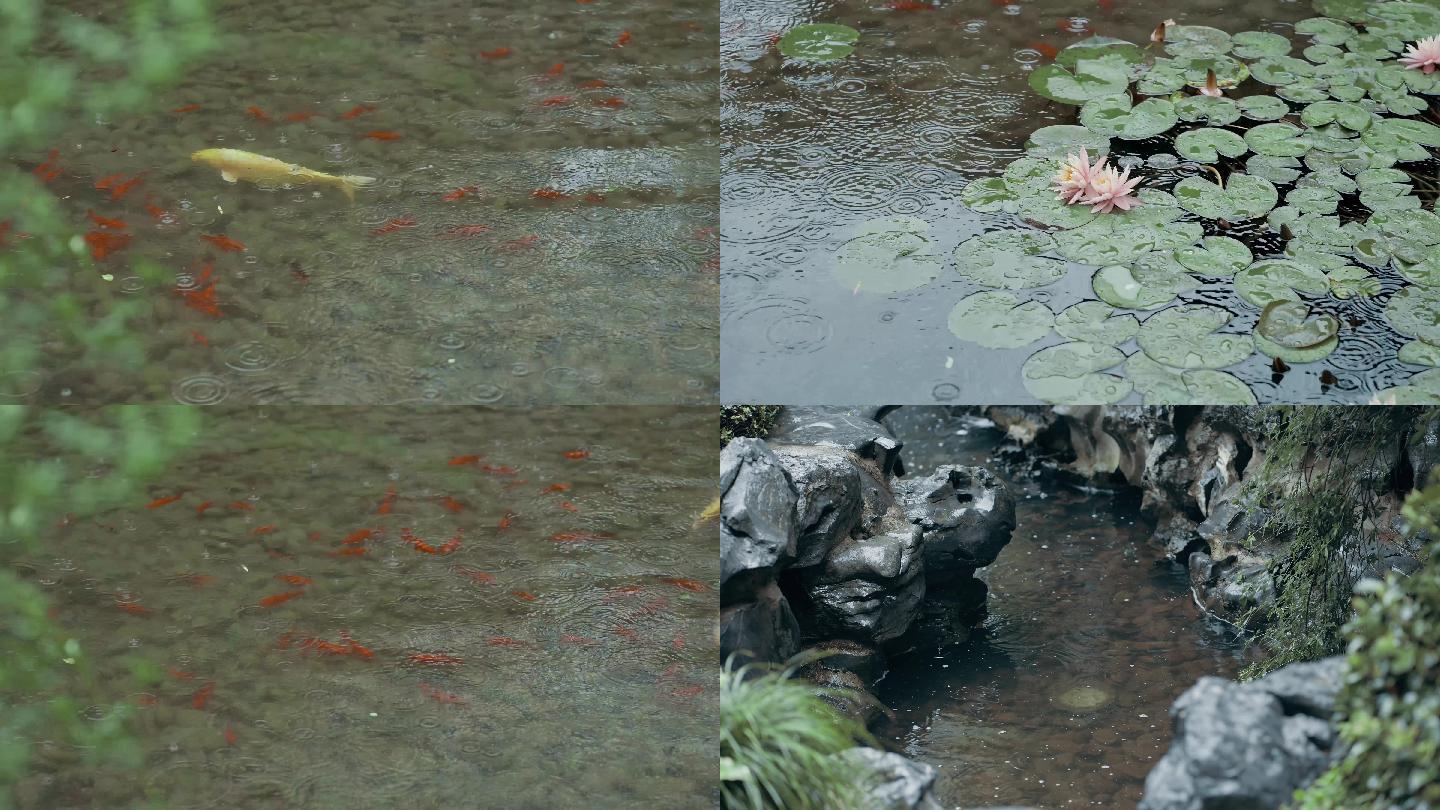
x=1310, y=144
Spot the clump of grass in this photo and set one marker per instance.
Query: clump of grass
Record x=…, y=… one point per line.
x=746, y=421
x=777, y=741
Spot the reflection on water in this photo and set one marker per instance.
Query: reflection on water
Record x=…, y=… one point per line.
x=929, y=100
x=351, y=609
x=543, y=229
x=1062, y=700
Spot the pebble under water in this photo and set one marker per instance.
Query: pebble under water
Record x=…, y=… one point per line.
x=1061, y=699
x=367, y=608
x=544, y=228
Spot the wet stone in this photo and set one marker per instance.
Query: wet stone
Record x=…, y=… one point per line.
x=966, y=514
x=757, y=514
x=829, y=498
x=845, y=428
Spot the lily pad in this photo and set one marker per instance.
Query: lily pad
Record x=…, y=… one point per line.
x=1277, y=140
x=1215, y=112
x=1281, y=71
x=1009, y=260
x=1070, y=374
x=1118, y=286
x=1325, y=30
x=819, y=42
x=1208, y=143
x=1216, y=256
x=998, y=320
x=1415, y=312
x=1046, y=208
x=1184, y=337
x=1420, y=353
x=1313, y=199
x=1263, y=108
x=1091, y=79
x=1296, y=356
x=1195, y=40
x=887, y=256
x=1100, y=48
x=1351, y=116
x=1060, y=140
x=1274, y=169
x=1159, y=384
x=1350, y=281
x=1259, y=44
x=990, y=195
x=1420, y=132
x=1096, y=322
x=1113, y=115
x=1103, y=241
x=1244, y=197
x=1288, y=324
x=1270, y=280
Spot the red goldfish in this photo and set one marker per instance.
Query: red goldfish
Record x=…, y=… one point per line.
x=268, y=528
x=434, y=659
x=388, y=503
x=623, y=39
x=105, y=222
x=355, y=538
x=103, y=243
x=498, y=53
x=459, y=461
x=399, y=223
x=467, y=230
x=460, y=193
x=549, y=194
x=257, y=113
x=577, y=454
x=475, y=575
x=357, y=111
x=294, y=579
x=203, y=695
x=300, y=116
x=223, y=242
x=451, y=504
x=558, y=488
x=200, y=510
x=442, y=697
x=382, y=135
x=686, y=584
x=279, y=598
x=188, y=108
x=581, y=537
x=525, y=595
x=159, y=502
x=556, y=69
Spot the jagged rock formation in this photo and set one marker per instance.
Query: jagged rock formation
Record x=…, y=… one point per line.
x=1248, y=745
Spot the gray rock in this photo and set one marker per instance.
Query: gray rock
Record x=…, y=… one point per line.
x=1242, y=746
x=757, y=517
x=870, y=588
x=845, y=428
x=761, y=629
x=1179, y=537
x=966, y=514
x=829, y=499
x=897, y=783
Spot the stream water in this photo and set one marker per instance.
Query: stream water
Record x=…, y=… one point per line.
x=1062, y=698
x=561, y=655
x=932, y=97
x=543, y=229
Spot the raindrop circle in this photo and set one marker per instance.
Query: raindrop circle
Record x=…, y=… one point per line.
x=202, y=389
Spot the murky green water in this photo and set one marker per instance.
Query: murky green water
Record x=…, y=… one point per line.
x=601, y=288
x=580, y=605
x=1062, y=699
x=929, y=100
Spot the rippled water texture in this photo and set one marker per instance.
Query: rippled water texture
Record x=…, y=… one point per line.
x=928, y=101
x=601, y=288
x=1062, y=700
x=580, y=603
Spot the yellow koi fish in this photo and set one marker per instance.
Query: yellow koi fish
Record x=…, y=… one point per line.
x=235, y=164
x=712, y=512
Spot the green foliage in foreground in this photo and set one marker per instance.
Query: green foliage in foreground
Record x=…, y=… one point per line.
x=70, y=463
x=58, y=67
x=1324, y=469
x=777, y=738
x=746, y=421
x=1389, y=706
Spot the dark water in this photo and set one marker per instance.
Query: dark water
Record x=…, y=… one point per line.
x=1062, y=699
x=928, y=101
x=605, y=294
x=586, y=679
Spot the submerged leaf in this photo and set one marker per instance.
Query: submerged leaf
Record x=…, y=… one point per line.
x=819, y=42
x=888, y=255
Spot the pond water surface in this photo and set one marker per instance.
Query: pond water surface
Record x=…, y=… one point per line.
x=538, y=623
x=543, y=229
x=1062, y=698
x=932, y=97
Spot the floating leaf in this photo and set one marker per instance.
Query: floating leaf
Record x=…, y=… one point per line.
x=1195, y=40
x=1263, y=108
x=1216, y=112
x=1185, y=337
x=1274, y=169
x=1093, y=78
x=998, y=320
x=1009, y=260
x=1349, y=281
x=1313, y=199
x=1060, y=140
x=1046, y=208
x=1270, y=280
x=1348, y=115
x=1217, y=256
x=1325, y=30
x=1159, y=384
x=1421, y=226
x=887, y=256
x=1164, y=77
x=1118, y=285
x=1415, y=312
x=1096, y=322
x=990, y=195
x=1420, y=132
x=1259, y=44
x=1113, y=115
x=1104, y=242
x=1420, y=353
x=1208, y=143
x=819, y=42
x=1295, y=356
x=1069, y=374
x=1281, y=71
x=1100, y=48
x=1277, y=140
x=1244, y=197
x=1288, y=324
x=1228, y=72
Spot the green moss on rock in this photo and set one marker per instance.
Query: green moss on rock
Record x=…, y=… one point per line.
x=747, y=421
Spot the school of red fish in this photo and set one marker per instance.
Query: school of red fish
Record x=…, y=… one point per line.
x=293, y=548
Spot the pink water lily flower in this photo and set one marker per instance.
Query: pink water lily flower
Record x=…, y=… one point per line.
x=1110, y=190
x=1423, y=55
x=1073, y=180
